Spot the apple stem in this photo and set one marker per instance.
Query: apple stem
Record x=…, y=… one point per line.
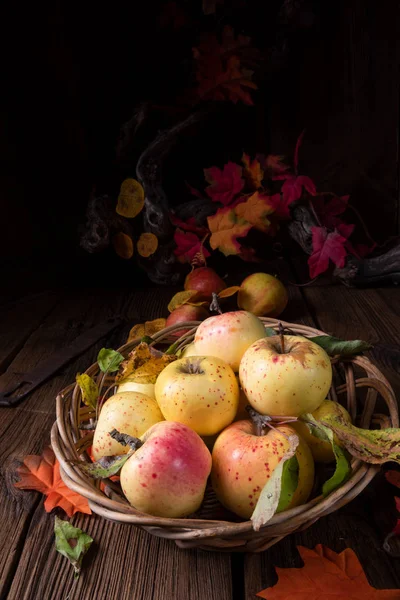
x=214, y=306
x=261, y=422
x=282, y=337
x=126, y=440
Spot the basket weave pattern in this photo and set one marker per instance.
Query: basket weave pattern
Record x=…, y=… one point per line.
x=206, y=530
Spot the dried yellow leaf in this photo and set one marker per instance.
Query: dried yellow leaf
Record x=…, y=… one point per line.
x=230, y=291
x=123, y=245
x=144, y=364
x=148, y=328
x=147, y=244
x=130, y=199
x=182, y=298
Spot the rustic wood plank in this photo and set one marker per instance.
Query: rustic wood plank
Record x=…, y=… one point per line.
x=18, y=320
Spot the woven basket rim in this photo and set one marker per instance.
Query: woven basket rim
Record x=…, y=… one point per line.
x=196, y=531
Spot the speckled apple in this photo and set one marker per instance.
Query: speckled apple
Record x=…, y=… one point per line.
x=262, y=294
x=243, y=462
x=228, y=336
x=289, y=383
x=199, y=391
x=128, y=412
x=321, y=450
x=167, y=476
x=130, y=385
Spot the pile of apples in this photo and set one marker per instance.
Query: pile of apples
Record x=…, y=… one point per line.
x=193, y=424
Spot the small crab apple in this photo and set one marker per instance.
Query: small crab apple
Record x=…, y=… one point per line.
x=243, y=461
x=200, y=391
x=228, y=336
x=167, y=475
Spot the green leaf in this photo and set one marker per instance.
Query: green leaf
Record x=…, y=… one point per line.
x=268, y=500
x=270, y=332
x=105, y=467
x=109, y=360
x=89, y=389
x=290, y=480
x=334, y=346
x=147, y=339
x=72, y=543
x=372, y=446
x=343, y=467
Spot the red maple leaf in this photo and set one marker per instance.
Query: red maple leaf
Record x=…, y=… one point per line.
x=187, y=246
x=189, y=225
x=328, y=211
x=42, y=473
x=221, y=67
x=280, y=206
x=345, y=229
x=225, y=183
x=293, y=187
x=273, y=164
x=326, y=247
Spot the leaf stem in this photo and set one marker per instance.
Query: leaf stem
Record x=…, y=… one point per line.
x=311, y=206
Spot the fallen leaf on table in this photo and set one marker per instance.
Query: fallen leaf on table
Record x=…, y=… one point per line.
x=146, y=329
x=123, y=245
x=147, y=244
x=224, y=183
x=89, y=389
x=226, y=227
x=252, y=172
x=130, y=199
x=144, y=364
x=72, y=543
x=326, y=247
x=271, y=493
x=182, y=298
x=326, y=574
x=42, y=473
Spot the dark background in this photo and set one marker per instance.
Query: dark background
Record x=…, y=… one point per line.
x=73, y=74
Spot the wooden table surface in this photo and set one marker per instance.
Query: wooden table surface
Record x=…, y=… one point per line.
x=125, y=562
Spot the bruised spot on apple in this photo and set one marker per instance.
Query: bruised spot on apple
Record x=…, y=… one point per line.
x=201, y=392
x=228, y=336
x=243, y=462
x=167, y=475
x=288, y=383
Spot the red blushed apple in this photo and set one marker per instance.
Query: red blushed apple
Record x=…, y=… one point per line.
x=243, y=462
x=167, y=475
x=184, y=313
x=205, y=281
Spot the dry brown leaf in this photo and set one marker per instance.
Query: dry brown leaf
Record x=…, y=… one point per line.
x=182, y=298
x=147, y=244
x=123, y=245
x=144, y=364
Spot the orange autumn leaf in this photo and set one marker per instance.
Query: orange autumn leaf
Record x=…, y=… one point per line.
x=123, y=245
x=181, y=298
x=255, y=210
x=252, y=172
x=130, y=199
x=325, y=574
x=228, y=292
x=147, y=244
x=42, y=473
x=226, y=227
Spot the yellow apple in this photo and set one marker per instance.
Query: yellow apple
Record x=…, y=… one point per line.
x=128, y=412
x=167, y=475
x=199, y=391
x=228, y=336
x=190, y=350
x=288, y=383
x=130, y=385
x=243, y=462
x=321, y=450
x=263, y=295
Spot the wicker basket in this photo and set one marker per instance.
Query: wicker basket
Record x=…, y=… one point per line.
x=211, y=529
